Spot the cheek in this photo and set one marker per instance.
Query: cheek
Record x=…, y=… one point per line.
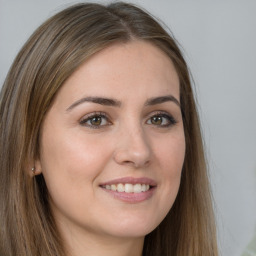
x=170, y=157
x=73, y=159
x=170, y=152
x=70, y=164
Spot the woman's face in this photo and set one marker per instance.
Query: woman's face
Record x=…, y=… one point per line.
x=112, y=145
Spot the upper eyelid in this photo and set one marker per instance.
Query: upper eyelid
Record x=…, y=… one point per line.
x=160, y=112
x=155, y=112
x=109, y=118
x=90, y=115
x=104, y=114
x=93, y=114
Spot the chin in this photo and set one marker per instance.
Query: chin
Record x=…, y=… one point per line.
x=134, y=228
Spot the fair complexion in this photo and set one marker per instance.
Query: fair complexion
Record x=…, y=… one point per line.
x=116, y=120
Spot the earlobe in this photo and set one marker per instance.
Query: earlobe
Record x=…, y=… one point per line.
x=34, y=171
x=36, y=168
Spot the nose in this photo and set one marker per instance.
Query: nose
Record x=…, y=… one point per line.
x=133, y=149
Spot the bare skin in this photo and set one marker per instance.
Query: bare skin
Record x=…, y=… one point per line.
x=116, y=122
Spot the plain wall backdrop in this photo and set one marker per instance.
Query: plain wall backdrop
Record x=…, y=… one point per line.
x=219, y=41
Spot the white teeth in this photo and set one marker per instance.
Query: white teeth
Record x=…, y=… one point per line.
x=137, y=188
x=128, y=188
x=113, y=187
x=143, y=187
x=120, y=187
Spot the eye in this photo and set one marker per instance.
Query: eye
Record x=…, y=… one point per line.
x=162, y=120
x=95, y=120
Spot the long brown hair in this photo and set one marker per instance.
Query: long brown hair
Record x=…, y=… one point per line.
x=55, y=50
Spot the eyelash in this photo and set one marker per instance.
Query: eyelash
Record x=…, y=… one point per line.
x=88, y=118
x=170, y=119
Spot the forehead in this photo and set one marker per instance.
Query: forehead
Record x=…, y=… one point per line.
x=136, y=68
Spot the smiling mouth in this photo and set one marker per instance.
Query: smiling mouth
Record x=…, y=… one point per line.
x=128, y=188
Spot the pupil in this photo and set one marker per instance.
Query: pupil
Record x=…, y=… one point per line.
x=96, y=120
x=157, y=120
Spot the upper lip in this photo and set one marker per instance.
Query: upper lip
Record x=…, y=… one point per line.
x=131, y=180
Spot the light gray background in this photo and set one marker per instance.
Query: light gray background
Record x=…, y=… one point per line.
x=219, y=41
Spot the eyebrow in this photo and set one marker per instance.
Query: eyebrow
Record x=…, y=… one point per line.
x=162, y=99
x=117, y=103
x=97, y=100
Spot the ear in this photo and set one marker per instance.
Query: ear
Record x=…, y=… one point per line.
x=35, y=168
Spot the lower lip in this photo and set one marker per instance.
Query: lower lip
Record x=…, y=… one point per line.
x=131, y=197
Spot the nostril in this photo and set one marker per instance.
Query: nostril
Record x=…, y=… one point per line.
x=133, y=153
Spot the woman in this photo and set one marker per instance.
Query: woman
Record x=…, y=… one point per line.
x=101, y=151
